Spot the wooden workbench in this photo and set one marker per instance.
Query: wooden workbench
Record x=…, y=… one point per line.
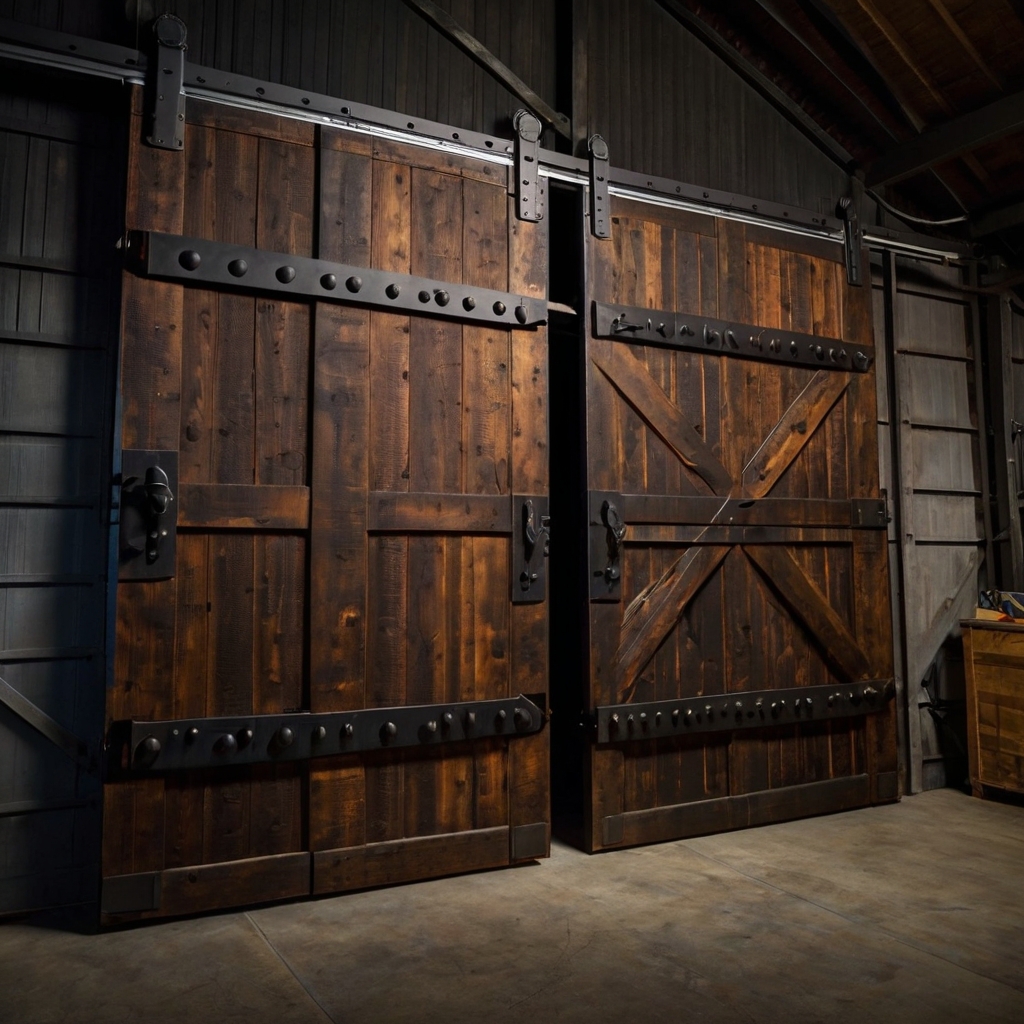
x=994, y=664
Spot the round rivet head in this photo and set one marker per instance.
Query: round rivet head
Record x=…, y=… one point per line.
x=388, y=731
x=227, y=744
x=329, y=281
x=470, y=719
x=354, y=283
x=431, y=726
x=285, y=274
x=500, y=717
x=424, y=296
x=238, y=268
x=860, y=361
x=190, y=259
x=147, y=750
x=522, y=718
x=521, y=314
x=284, y=736
x=192, y=734
x=348, y=730
x=613, y=721
x=441, y=297
x=469, y=303
x=392, y=291
x=793, y=347
x=448, y=718
x=499, y=308
x=319, y=733
x=244, y=737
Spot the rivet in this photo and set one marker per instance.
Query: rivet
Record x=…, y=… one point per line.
x=329, y=281
x=657, y=718
x=739, y=705
x=808, y=701
x=688, y=717
x=392, y=291
x=819, y=351
x=348, y=730
x=629, y=721
x=793, y=347
x=469, y=302
x=613, y=721
x=707, y=710
x=424, y=296
x=797, y=702
x=431, y=727
x=470, y=720
x=521, y=314
x=285, y=737
x=148, y=749
x=354, y=283
x=499, y=308
x=643, y=716
x=191, y=734
x=388, y=731
x=238, y=268
x=523, y=718
x=675, y=716
x=319, y=733
x=832, y=354
x=860, y=361
x=285, y=274
x=244, y=737
x=725, y=707
x=441, y=297
x=190, y=259
x=448, y=718
x=227, y=744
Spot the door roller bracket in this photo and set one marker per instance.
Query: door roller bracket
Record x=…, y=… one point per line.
x=846, y=210
x=166, y=112
x=530, y=193
x=600, y=202
x=137, y=747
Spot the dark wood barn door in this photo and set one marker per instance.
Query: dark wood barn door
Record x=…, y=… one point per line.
x=349, y=487
x=737, y=550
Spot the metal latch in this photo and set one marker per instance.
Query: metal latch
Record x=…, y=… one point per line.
x=148, y=514
x=600, y=203
x=530, y=193
x=530, y=547
x=607, y=535
x=167, y=75
x=846, y=210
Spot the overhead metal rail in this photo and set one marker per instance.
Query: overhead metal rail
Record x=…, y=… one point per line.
x=80, y=55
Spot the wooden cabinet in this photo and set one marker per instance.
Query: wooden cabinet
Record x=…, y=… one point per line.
x=994, y=662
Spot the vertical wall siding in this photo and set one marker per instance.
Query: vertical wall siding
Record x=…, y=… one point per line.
x=60, y=215
x=368, y=51
x=666, y=105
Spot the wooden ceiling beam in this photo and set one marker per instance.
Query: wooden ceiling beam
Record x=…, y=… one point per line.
x=961, y=37
x=999, y=219
x=949, y=140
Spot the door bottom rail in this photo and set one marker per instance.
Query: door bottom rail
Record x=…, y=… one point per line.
x=751, y=709
x=140, y=747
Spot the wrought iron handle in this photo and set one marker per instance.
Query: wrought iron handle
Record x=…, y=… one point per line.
x=158, y=498
x=612, y=519
x=532, y=532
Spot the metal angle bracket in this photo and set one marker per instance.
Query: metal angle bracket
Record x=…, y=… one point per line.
x=531, y=535
x=145, y=747
x=846, y=210
x=756, y=709
x=600, y=201
x=241, y=268
x=531, y=195
x=727, y=338
x=165, y=84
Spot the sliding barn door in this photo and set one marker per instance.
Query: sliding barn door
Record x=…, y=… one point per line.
x=330, y=665
x=739, y=629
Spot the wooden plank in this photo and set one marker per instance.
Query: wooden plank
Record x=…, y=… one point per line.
x=700, y=509
x=417, y=511
x=724, y=814
x=628, y=376
x=243, y=506
x=808, y=603
x=407, y=859
x=678, y=535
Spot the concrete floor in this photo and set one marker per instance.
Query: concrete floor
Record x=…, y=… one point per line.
x=910, y=912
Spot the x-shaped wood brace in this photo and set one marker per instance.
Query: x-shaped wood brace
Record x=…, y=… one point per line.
x=654, y=613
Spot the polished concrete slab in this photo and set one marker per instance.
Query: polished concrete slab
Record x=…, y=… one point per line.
x=910, y=912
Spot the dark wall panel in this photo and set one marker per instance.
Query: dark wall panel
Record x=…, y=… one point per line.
x=666, y=105
x=368, y=51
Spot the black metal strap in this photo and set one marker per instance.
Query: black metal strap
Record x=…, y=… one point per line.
x=600, y=202
x=165, y=84
x=143, y=747
x=728, y=338
x=846, y=209
x=201, y=261
x=530, y=191
x=756, y=709
x=47, y=726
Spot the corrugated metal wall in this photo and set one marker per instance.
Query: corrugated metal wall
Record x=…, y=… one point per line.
x=60, y=217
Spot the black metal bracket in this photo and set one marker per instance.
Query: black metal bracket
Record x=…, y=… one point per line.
x=148, y=515
x=201, y=261
x=600, y=203
x=166, y=84
x=723, y=337
x=531, y=536
x=531, y=195
x=755, y=709
x=145, y=747
x=846, y=210
x=607, y=533
x=869, y=513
